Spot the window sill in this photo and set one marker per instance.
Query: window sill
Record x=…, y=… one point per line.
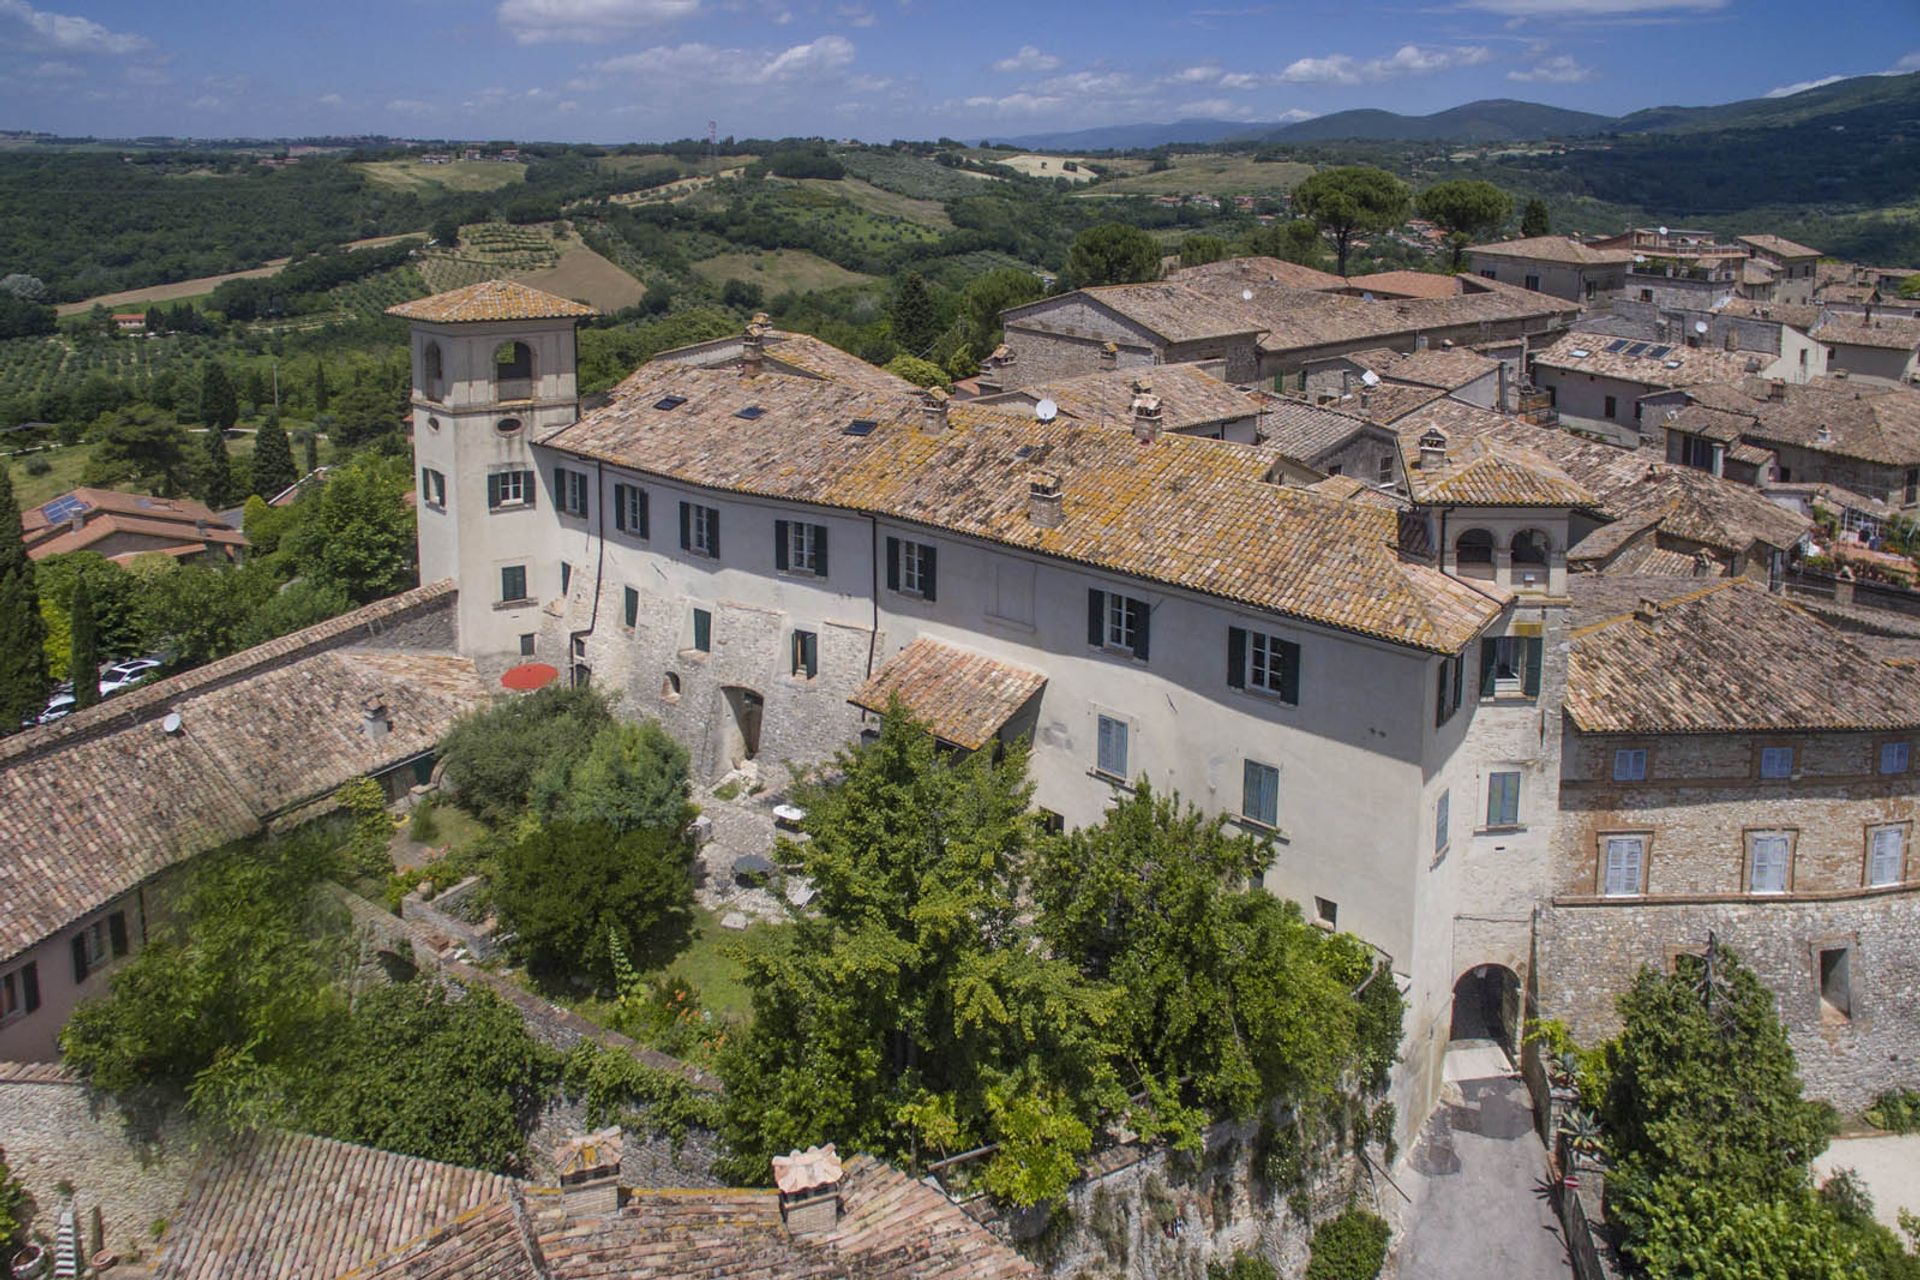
x=511, y=506
x=1510, y=699
x=1117, y=654
x=441, y=507
x=1112, y=780
x=805, y=575
x=1510, y=829
x=1264, y=695
x=501, y=606
x=1258, y=827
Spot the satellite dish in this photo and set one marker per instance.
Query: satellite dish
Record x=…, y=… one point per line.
x=1046, y=411
x=1369, y=377
x=1246, y=295
x=172, y=723
x=1699, y=326
x=1663, y=231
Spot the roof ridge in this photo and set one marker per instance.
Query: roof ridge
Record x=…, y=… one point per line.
x=1686, y=598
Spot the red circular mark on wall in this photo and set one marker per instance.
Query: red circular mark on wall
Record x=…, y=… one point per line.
x=528, y=676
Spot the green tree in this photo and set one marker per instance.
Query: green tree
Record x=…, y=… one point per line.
x=140, y=445
x=84, y=662
x=921, y=373
x=297, y=605
x=23, y=655
x=200, y=611
x=567, y=888
x=356, y=531
x=272, y=459
x=319, y=386
x=493, y=758
x=1351, y=200
x=1533, y=218
x=986, y=296
x=216, y=470
x=310, y=448
x=1295, y=240
x=1701, y=1231
x=219, y=404
x=13, y=1195
x=1199, y=250
x=111, y=596
x=1112, y=253
x=915, y=318
x=633, y=776
x=365, y=411
x=1352, y=1246
x=419, y=1072
x=446, y=230
x=1466, y=210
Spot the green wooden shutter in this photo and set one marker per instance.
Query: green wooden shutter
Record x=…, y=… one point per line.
x=117, y=931
x=643, y=510
x=79, y=957
x=820, y=550
x=1236, y=657
x=1096, y=617
x=1140, y=615
x=1486, y=668
x=893, y=564
x=1440, y=697
x=1289, y=672
x=686, y=525
x=780, y=535
x=713, y=531
x=632, y=602
x=493, y=490
x=1536, y=648
x=620, y=507
x=929, y=555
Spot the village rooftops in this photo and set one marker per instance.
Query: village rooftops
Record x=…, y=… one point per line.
x=1666, y=655
x=110, y=796
x=798, y=353
x=1404, y=284
x=85, y=518
x=1189, y=396
x=1270, y=270
x=1874, y=424
x=1692, y=506
x=1181, y=511
x=1777, y=247
x=961, y=697
x=1651, y=364
x=1795, y=315
x=1448, y=368
x=1301, y=319
x=491, y=300
x=1890, y=333
x=1177, y=311
x=1472, y=469
x=1560, y=249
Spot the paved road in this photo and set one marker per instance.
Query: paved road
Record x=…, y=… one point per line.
x=1889, y=1165
x=1479, y=1181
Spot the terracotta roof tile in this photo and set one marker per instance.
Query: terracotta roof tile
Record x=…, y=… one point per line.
x=963, y=698
x=1270, y=270
x=1448, y=368
x=490, y=300
x=1410, y=284
x=1677, y=366
x=1778, y=246
x=1888, y=333
x=1562, y=249
x=1874, y=424
x=1481, y=470
x=1189, y=396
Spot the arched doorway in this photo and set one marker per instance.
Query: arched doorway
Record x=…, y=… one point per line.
x=1487, y=1007
x=740, y=712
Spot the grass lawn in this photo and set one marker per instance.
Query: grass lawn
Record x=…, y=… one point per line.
x=68, y=463
x=779, y=270
x=719, y=978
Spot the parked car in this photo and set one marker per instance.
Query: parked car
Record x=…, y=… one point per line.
x=58, y=707
x=124, y=675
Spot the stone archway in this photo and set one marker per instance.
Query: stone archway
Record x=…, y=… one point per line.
x=1487, y=1005
x=741, y=710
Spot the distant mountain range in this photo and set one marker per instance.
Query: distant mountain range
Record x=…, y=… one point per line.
x=1498, y=120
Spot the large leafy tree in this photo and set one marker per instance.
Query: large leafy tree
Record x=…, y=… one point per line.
x=633, y=776
x=216, y=470
x=1295, y=240
x=356, y=531
x=272, y=459
x=520, y=752
x=1112, y=253
x=200, y=611
x=987, y=295
x=23, y=655
x=1466, y=209
x=112, y=597
x=569, y=889
x=1352, y=200
x=140, y=445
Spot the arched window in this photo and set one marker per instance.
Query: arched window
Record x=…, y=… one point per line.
x=1531, y=547
x=1473, y=553
x=433, y=382
x=513, y=371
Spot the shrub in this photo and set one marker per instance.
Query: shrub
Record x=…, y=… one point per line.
x=1352, y=1246
x=38, y=466
x=565, y=887
x=1245, y=1266
x=12, y=1194
x=495, y=757
x=633, y=776
x=372, y=830
x=423, y=827
x=1897, y=1111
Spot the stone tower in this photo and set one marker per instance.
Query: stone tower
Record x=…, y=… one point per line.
x=493, y=370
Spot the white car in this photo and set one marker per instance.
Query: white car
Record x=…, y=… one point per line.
x=124, y=675
x=58, y=707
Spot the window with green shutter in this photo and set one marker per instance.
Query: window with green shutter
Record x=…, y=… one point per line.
x=631, y=602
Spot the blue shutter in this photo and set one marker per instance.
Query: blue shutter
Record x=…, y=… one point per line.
x=1535, y=649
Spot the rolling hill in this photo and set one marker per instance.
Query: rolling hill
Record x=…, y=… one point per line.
x=1140, y=137
x=1491, y=120
x=1899, y=95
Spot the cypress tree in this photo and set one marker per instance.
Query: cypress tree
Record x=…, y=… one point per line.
x=216, y=471
x=272, y=458
x=310, y=452
x=319, y=387
x=219, y=405
x=1533, y=218
x=85, y=662
x=916, y=321
x=23, y=632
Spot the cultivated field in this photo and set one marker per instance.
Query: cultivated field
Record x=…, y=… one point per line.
x=779, y=270
x=461, y=175
x=1044, y=166
x=1214, y=174
x=585, y=276
x=928, y=213
x=181, y=290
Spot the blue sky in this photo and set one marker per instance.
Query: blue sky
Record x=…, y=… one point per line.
x=620, y=70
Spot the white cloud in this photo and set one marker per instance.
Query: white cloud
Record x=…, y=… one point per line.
x=332, y=100
x=705, y=63
x=1801, y=86
x=1199, y=75
x=1559, y=69
x=1909, y=63
x=1028, y=59
x=1293, y=115
x=1590, y=8
x=538, y=21
x=1408, y=59
x=55, y=70
x=410, y=106
x=205, y=102
x=67, y=33
x=1015, y=104
x=855, y=15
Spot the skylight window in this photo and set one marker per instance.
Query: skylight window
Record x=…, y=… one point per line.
x=751, y=412
x=669, y=402
x=860, y=427
x=1618, y=344
x=1654, y=353
x=1636, y=349
x=1580, y=353
x=1024, y=451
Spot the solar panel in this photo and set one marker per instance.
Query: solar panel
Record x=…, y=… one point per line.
x=1654, y=353
x=1636, y=348
x=669, y=402
x=1618, y=344
x=1024, y=451
x=860, y=427
x=751, y=412
x=64, y=508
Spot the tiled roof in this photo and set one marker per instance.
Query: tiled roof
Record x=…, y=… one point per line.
x=105, y=799
x=108, y=511
x=1874, y=424
x=962, y=697
x=1724, y=658
x=1560, y=249
x=1300, y=318
x=491, y=300
x=1306, y=432
x=1692, y=505
x=1480, y=471
x=487, y=1243
x=1448, y=368
x=1176, y=311
x=1709, y=423
x=1778, y=246
x=1411, y=284
x=1836, y=497
x=1678, y=366
x=1889, y=333
x=799, y=353
x=1189, y=396
x=286, y=1206
x=1183, y=511
x=1271, y=270
x=1797, y=315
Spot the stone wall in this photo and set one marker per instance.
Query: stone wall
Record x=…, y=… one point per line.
x=446, y=915
x=1589, y=954
x=53, y=1130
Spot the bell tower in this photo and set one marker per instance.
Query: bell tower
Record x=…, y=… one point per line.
x=493, y=370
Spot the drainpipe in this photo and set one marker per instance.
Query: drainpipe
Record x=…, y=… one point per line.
x=599, y=566
x=873, y=564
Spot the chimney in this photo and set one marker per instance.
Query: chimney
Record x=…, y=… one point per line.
x=77, y=521
x=1719, y=467
x=373, y=718
x=1728, y=340
x=1823, y=434
x=1702, y=565
x=1146, y=412
x=1502, y=404
x=1648, y=611
x=1866, y=317
x=200, y=528
x=1776, y=389
x=933, y=411
x=1419, y=342
x=589, y=1169
x=1843, y=586
x=753, y=343
x=1109, y=355
x=1043, y=499
x=1433, y=449
x=809, y=1183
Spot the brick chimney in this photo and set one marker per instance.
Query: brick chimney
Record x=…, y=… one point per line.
x=809, y=1183
x=1146, y=412
x=1777, y=389
x=1109, y=355
x=933, y=411
x=589, y=1169
x=753, y=343
x=1044, y=500
x=375, y=721
x=1433, y=449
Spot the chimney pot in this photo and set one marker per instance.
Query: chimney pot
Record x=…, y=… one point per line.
x=589, y=1169
x=1110, y=355
x=753, y=343
x=933, y=411
x=1146, y=413
x=1433, y=449
x=1044, y=499
x=1648, y=610
x=809, y=1186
